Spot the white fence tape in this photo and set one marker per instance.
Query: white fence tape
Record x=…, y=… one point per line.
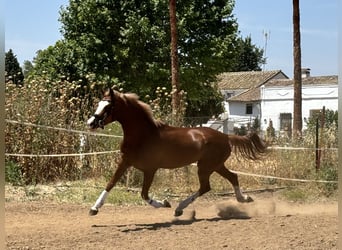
x=62, y=129
x=120, y=136
x=115, y=151
x=62, y=155
x=301, y=148
x=280, y=178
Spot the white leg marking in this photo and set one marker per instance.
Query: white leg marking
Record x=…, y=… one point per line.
x=100, y=201
x=154, y=203
x=183, y=204
x=239, y=195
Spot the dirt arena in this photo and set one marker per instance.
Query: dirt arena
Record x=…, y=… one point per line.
x=207, y=224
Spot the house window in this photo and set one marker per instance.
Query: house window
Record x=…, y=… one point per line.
x=249, y=108
x=286, y=121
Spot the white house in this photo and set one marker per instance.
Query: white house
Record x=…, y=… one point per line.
x=241, y=92
x=276, y=100
x=268, y=95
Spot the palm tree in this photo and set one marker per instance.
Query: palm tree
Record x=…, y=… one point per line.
x=297, y=76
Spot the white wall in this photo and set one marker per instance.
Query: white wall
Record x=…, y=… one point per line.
x=276, y=100
x=236, y=114
x=239, y=109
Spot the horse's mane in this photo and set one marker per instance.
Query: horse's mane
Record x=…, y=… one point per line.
x=133, y=99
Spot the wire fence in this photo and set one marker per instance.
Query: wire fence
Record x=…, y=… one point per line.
x=83, y=162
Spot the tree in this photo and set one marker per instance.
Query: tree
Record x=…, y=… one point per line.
x=12, y=67
x=27, y=68
x=297, y=74
x=63, y=60
x=249, y=57
x=128, y=41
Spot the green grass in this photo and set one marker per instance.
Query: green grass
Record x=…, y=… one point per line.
x=78, y=192
x=296, y=194
x=88, y=192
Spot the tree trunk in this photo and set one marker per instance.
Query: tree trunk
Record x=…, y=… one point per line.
x=174, y=64
x=297, y=75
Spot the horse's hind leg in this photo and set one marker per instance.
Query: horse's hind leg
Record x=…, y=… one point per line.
x=122, y=167
x=203, y=176
x=233, y=179
x=148, y=178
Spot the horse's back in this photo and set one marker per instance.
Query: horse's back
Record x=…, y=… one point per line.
x=198, y=136
x=176, y=147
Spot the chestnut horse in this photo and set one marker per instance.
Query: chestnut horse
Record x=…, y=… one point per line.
x=149, y=144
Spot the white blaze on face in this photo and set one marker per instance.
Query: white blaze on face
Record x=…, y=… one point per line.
x=90, y=120
x=100, y=108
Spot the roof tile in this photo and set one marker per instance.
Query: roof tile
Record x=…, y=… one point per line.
x=245, y=79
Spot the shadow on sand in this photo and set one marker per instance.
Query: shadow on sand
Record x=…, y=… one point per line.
x=224, y=213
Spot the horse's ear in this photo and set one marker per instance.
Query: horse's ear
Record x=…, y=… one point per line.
x=112, y=96
x=108, y=93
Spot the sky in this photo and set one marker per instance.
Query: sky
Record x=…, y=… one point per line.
x=33, y=25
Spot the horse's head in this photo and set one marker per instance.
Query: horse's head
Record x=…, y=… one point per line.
x=103, y=114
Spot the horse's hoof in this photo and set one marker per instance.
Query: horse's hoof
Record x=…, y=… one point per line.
x=178, y=213
x=93, y=211
x=249, y=199
x=167, y=204
x=245, y=199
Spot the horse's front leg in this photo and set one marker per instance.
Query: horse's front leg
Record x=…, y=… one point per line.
x=122, y=167
x=148, y=178
x=183, y=204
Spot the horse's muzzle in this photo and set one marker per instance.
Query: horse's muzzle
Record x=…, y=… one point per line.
x=94, y=122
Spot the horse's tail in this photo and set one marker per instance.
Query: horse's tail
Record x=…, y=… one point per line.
x=249, y=146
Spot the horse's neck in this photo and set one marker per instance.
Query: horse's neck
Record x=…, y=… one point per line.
x=136, y=124
x=137, y=133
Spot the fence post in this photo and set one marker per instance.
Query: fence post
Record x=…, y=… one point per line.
x=225, y=126
x=317, y=151
x=319, y=124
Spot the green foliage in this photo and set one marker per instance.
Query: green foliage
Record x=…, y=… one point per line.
x=330, y=119
x=27, y=68
x=249, y=57
x=329, y=172
x=256, y=125
x=13, y=70
x=270, y=132
x=296, y=194
x=86, y=192
x=13, y=173
x=329, y=138
x=128, y=42
x=204, y=101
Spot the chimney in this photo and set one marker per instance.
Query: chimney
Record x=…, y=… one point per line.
x=305, y=72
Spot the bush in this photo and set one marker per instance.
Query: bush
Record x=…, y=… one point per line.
x=328, y=173
x=13, y=173
x=55, y=104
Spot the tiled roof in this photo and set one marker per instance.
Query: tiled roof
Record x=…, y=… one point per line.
x=250, y=95
x=246, y=79
x=253, y=94
x=312, y=80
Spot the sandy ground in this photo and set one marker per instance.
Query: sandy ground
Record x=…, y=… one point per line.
x=207, y=224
